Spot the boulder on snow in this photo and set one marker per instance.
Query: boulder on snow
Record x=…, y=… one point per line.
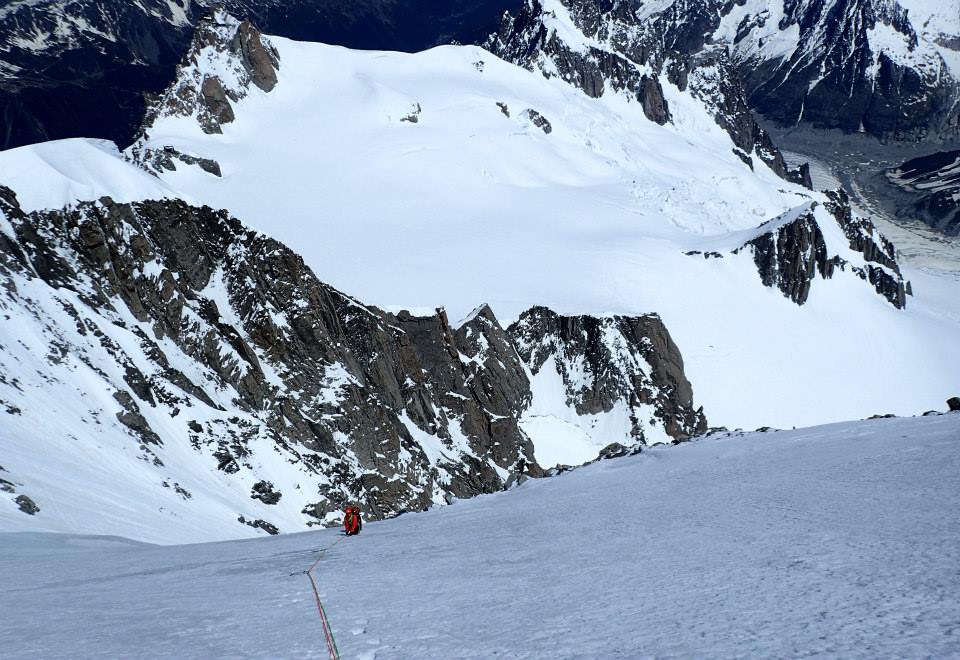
x=617, y=450
x=263, y=491
x=538, y=120
x=27, y=505
x=954, y=404
x=269, y=528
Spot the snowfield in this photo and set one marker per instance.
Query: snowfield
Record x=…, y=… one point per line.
x=834, y=542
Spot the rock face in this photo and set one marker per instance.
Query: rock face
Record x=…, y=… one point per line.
x=205, y=335
x=857, y=65
x=879, y=254
x=934, y=185
x=790, y=255
x=227, y=58
x=614, y=47
x=792, y=251
x=954, y=404
x=606, y=362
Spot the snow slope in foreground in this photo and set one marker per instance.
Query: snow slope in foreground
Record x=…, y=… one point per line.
x=831, y=542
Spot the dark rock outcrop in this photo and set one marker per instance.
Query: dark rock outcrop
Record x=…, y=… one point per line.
x=790, y=256
x=538, y=120
x=793, y=252
x=604, y=362
x=269, y=528
x=526, y=40
x=226, y=58
x=242, y=49
x=263, y=491
x=882, y=269
x=27, y=505
x=954, y=404
x=229, y=342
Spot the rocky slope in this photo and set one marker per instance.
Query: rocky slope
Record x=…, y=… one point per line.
x=933, y=183
x=858, y=65
x=192, y=346
x=877, y=66
x=792, y=250
x=604, y=47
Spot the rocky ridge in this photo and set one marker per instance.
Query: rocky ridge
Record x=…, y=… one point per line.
x=610, y=47
x=179, y=329
x=856, y=65
x=794, y=251
x=241, y=57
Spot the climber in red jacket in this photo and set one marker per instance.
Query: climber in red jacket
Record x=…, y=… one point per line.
x=352, y=523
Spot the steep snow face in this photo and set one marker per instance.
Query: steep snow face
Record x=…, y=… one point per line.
x=828, y=542
x=449, y=177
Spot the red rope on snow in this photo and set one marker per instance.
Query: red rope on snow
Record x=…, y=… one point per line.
x=324, y=621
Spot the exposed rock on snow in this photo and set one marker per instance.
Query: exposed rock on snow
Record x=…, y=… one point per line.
x=607, y=362
x=27, y=505
x=226, y=58
x=217, y=346
x=538, y=120
x=794, y=250
x=611, y=47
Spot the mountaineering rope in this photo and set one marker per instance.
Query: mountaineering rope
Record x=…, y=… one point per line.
x=324, y=621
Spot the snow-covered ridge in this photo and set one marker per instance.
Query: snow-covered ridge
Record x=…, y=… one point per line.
x=617, y=49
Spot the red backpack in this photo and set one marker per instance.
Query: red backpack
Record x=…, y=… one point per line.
x=352, y=524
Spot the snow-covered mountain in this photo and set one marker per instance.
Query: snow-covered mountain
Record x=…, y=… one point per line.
x=823, y=543
x=451, y=176
x=886, y=68
x=210, y=369
x=82, y=67
x=72, y=68
x=170, y=347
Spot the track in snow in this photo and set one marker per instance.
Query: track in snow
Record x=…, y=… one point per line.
x=837, y=541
